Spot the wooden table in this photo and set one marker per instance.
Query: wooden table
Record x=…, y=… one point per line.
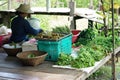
x=12, y=69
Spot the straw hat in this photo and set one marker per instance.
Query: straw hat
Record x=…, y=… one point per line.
x=25, y=8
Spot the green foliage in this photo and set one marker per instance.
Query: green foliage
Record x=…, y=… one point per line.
x=96, y=51
x=13, y=44
x=91, y=52
x=104, y=73
x=105, y=42
x=87, y=35
x=44, y=21
x=64, y=59
x=80, y=3
x=61, y=29
x=86, y=3
x=84, y=59
x=65, y=2
x=32, y=55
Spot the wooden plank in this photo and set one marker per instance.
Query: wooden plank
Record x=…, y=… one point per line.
x=28, y=75
x=89, y=14
x=11, y=68
x=17, y=76
x=79, y=12
x=45, y=67
x=37, y=10
x=4, y=78
x=31, y=75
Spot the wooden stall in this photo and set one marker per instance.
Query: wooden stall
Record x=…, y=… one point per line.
x=12, y=69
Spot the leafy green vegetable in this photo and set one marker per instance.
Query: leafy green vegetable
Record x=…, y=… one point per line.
x=93, y=48
x=32, y=55
x=87, y=35
x=61, y=29
x=64, y=59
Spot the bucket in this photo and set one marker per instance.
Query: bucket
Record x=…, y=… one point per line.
x=75, y=35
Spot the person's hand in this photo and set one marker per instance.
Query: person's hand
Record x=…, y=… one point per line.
x=41, y=30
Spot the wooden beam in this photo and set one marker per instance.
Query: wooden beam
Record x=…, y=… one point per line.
x=72, y=6
x=48, y=5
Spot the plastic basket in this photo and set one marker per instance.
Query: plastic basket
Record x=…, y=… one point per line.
x=40, y=57
x=75, y=35
x=54, y=48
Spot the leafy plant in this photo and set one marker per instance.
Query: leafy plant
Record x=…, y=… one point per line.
x=61, y=29
x=64, y=59
x=86, y=36
x=104, y=73
x=32, y=55
x=13, y=44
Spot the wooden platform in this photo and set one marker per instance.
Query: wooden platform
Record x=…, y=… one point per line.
x=79, y=13
x=87, y=13
x=39, y=10
x=12, y=69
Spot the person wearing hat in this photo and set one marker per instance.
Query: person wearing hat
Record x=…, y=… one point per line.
x=20, y=26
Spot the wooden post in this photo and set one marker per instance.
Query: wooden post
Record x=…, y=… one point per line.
x=91, y=4
x=100, y=7
x=72, y=6
x=9, y=4
x=1, y=19
x=113, y=39
x=48, y=5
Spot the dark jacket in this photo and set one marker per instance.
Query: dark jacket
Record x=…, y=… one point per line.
x=20, y=29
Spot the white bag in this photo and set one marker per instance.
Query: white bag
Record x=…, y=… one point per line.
x=3, y=30
x=35, y=23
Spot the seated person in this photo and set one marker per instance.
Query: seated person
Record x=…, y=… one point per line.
x=20, y=26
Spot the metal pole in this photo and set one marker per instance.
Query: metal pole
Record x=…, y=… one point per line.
x=113, y=38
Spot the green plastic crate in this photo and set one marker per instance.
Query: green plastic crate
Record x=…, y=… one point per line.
x=54, y=48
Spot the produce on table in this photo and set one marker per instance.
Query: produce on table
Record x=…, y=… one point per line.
x=12, y=45
x=56, y=33
x=93, y=48
x=49, y=36
x=32, y=55
x=86, y=36
x=61, y=29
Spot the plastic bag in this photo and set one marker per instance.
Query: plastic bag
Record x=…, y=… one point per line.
x=3, y=30
x=35, y=23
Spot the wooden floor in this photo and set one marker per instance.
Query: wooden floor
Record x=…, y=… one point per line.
x=12, y=69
